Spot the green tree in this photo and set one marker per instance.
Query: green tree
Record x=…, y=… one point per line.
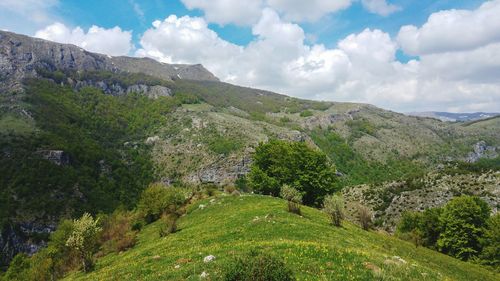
x=422, y=227
x=462, y=220
x=277, y=163
x=84, y=238
x=491, y=242
x=333, y=205
x=157, y=200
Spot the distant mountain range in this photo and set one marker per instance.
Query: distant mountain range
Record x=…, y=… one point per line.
x=454, y=117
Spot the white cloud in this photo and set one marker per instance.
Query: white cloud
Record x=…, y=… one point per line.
x=453, y=30
x=311, y=10
x=380, y=7
x=137, y=9
x=228, y=11
x=361, y=68
x=248, y=12
x=187, y=40
x=26, y=16
x=111, y=41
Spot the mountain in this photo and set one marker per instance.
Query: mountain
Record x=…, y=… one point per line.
x=455, y=117
x=84, y=132
x=23, y=56
x=314, y=249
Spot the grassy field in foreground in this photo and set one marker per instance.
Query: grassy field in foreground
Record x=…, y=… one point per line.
x=313, y=249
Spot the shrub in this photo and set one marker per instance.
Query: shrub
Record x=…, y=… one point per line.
x=333, y=205
x=462, y=222
x=242, y=184
x=169, y=224
x=117, y=232
x=294, y=163
x=257, y=266
x=18, y=269
x=83, y=239
x=422, y=228
x=294, y=198
x=229, y=189
x=364, y=217
x=306, y=113
x=158, y=199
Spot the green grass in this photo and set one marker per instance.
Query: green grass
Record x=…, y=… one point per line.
x=309, y=245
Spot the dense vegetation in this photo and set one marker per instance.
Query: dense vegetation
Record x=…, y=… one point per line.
x=77, y=243
x=277, y=163
x=462, y=228
x=356, y=169
x=103, y=136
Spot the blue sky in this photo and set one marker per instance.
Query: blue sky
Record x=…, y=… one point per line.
x=404, y=55
x=328, y=30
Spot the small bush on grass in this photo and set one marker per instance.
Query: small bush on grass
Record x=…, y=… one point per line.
x=333, y=206
x=118, y=233
x=169, y=224
x=294, y=198
x=229, y=189
x=257, y=266
x=158, y=199
x=83, y=239
x=365, y=217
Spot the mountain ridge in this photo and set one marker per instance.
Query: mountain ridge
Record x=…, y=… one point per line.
x=21, y=56
x=114, y=134
x=455, y=117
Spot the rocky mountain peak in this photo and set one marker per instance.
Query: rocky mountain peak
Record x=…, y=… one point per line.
x=21, y=56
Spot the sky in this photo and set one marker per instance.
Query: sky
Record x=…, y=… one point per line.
x=402, y=55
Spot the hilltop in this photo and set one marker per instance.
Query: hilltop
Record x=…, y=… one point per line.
x=225, y=226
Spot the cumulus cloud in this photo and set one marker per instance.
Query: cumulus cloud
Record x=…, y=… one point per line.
x=228, y=11
x=362, y=67
x=113, y=41
x=380, y=7
x=453, y=30
x=311, y=10
x=26, y=16
x=248, y=12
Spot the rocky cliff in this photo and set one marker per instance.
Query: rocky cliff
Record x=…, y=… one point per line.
x=22, y=56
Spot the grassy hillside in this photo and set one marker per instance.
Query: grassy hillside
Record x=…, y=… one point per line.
x=204, y=133
x=309, y=245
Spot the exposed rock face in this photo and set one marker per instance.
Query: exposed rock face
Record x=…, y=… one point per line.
x=58, y=157
x=390, y=200
x=116, y=89
x=481, y=150
x=18, y=238
x=224, y=171
x=21, y=56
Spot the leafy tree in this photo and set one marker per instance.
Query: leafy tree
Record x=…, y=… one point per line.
x=430, y=227
x=462, y=223
x=423, y=227
x=158, y=199
x=333, y=205
x=294, y=163
x=293, y=197
x=84, y=238
x=491, y=242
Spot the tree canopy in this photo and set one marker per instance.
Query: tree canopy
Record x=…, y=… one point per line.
x=277, y=163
